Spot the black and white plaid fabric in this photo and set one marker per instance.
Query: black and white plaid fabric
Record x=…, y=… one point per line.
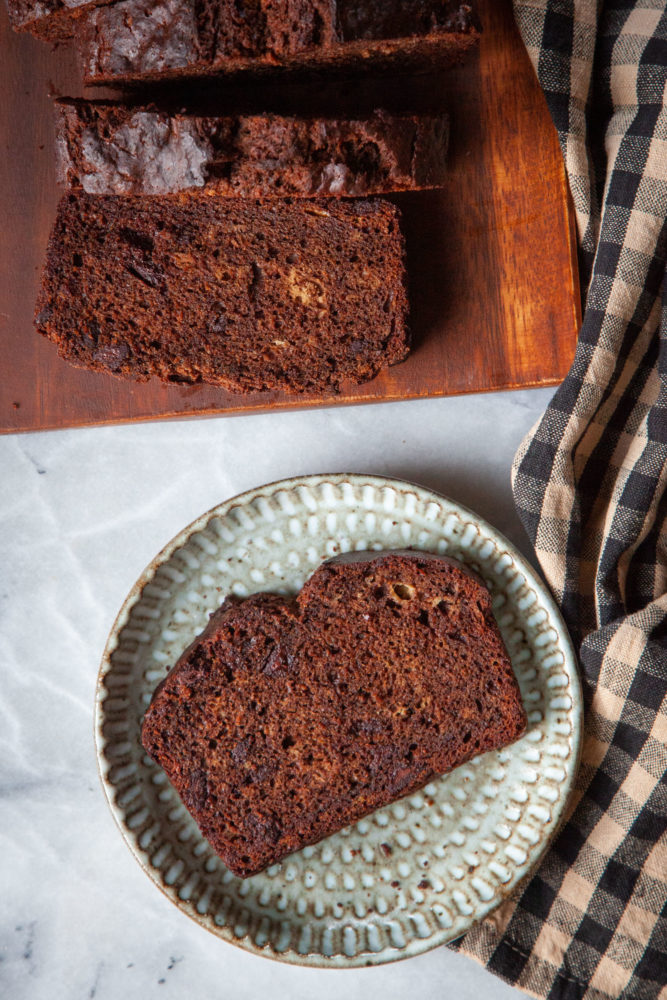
x=590, y=486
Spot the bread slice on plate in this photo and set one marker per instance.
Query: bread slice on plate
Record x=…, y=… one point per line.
x=135, y=42
x=108, y=148
x=287, y=719
x=303, y=296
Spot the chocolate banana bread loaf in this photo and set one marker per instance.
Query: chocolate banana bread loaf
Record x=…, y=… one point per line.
x=301, y=296
x=287, y=719
x=108, y=148
x=134, y=42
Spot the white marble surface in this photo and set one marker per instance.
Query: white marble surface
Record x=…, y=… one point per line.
x=81, y=513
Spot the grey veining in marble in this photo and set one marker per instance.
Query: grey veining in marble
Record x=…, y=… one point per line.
x=81, y=513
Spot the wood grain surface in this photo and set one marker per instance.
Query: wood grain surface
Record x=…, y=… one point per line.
x=491, y=257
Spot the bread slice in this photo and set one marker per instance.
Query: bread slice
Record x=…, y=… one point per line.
x=108, y=148
x=287, y=719
x=303, y=296
x=134, y=42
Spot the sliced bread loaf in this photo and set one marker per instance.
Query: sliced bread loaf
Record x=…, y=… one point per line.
x=287, y=719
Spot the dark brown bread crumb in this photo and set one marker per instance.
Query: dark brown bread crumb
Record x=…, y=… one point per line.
x=50, y=20
x=142, y=41
x=110, y=148
x=299, y=296
x=285, y=720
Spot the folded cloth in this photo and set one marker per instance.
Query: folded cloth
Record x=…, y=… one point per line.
x=589, y=485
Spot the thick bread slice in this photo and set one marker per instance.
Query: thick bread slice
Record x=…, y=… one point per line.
x=135, y=42
x=301, y=296
x=285, y=720
x=108, y=148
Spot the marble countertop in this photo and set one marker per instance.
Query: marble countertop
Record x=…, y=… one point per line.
x=81, y=513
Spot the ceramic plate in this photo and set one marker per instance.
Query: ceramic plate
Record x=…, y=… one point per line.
x=413, y=875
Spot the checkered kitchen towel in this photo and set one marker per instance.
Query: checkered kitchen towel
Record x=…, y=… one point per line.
x=590, y=484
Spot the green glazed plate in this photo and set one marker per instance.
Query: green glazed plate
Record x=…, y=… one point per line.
x=413, y=875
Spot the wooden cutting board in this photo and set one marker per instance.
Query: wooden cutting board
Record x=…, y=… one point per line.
x=491, y=257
